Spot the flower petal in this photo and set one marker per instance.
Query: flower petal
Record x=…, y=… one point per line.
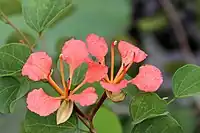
x=95, y=72
x=97, y=46
x=114, y=87
x=42, y=104
x=74, y=53
x=149, y=78
x=130, y=53
x=86, y=98
x=38, y=66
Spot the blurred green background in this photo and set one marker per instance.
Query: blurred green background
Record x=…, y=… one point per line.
x=139, y=21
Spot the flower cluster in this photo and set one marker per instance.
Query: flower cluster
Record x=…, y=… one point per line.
x=74, y=53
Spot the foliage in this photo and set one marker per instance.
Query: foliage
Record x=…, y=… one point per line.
x=148, y=111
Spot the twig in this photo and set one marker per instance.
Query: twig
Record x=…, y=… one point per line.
x=84, y=121
x=80, y=112
x=98, y=105
x=178, y=30
x=15, y=28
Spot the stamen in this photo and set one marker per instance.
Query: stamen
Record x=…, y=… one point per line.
x=119, y=78
x=120, y=71
x=54, y=85
x=62, y=75
x=71, y=72
x=78, y=87
x=112, y=59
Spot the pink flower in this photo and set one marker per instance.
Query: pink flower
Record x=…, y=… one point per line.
x=95, y=72
x=116, y=88
x=149, y=78
x=97, y=46
x=130, y=53
x=38, y=66
x=42, y=104
x=86, y=98
x=74, y=53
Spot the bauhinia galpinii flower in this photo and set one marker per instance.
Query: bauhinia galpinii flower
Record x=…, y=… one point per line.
x=75, y=53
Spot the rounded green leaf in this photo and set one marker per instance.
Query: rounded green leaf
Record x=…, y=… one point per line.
x=36, y=124
x=13, y=56
x=40, y=14
x=106, y=121
x=25, y=86
x=186, y=81
x=9, y=89
x=147, y=105
x=161, y=124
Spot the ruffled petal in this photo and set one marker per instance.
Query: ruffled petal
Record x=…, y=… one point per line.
x=114, y=87
x=95, y=72
x=130, y=53
x=97, y=46
x=41, y=103
x=86, y=98
x=149, y=78
x=38, y=66
x=74, y=52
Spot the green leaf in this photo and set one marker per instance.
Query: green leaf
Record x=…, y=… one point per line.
x=15, y=37
x=7, y=7
x=9, y=89
x=147, y=105
x=46, y=87
x=13, y=57
x=40, y=14
x=162, y=124
x=36, y=124
x=186, y=81
x=79, y=73
x=106, y=121
x=23, y=90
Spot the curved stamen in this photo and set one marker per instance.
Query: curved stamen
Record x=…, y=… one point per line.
x=54, y=85
x=62, y=75
x=112, y=59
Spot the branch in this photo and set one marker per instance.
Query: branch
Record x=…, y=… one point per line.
x=179, y=31
x=78, y=111
x=98, y=105
x=15, y=28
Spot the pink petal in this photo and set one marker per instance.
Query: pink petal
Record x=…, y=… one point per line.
x=86, y=98
x=95, y=72
x=42, y=104
x=130, y=53
x=38, y=66
x=74, y=53
x=114, y=87
x=149, y=78
x=97, y=46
